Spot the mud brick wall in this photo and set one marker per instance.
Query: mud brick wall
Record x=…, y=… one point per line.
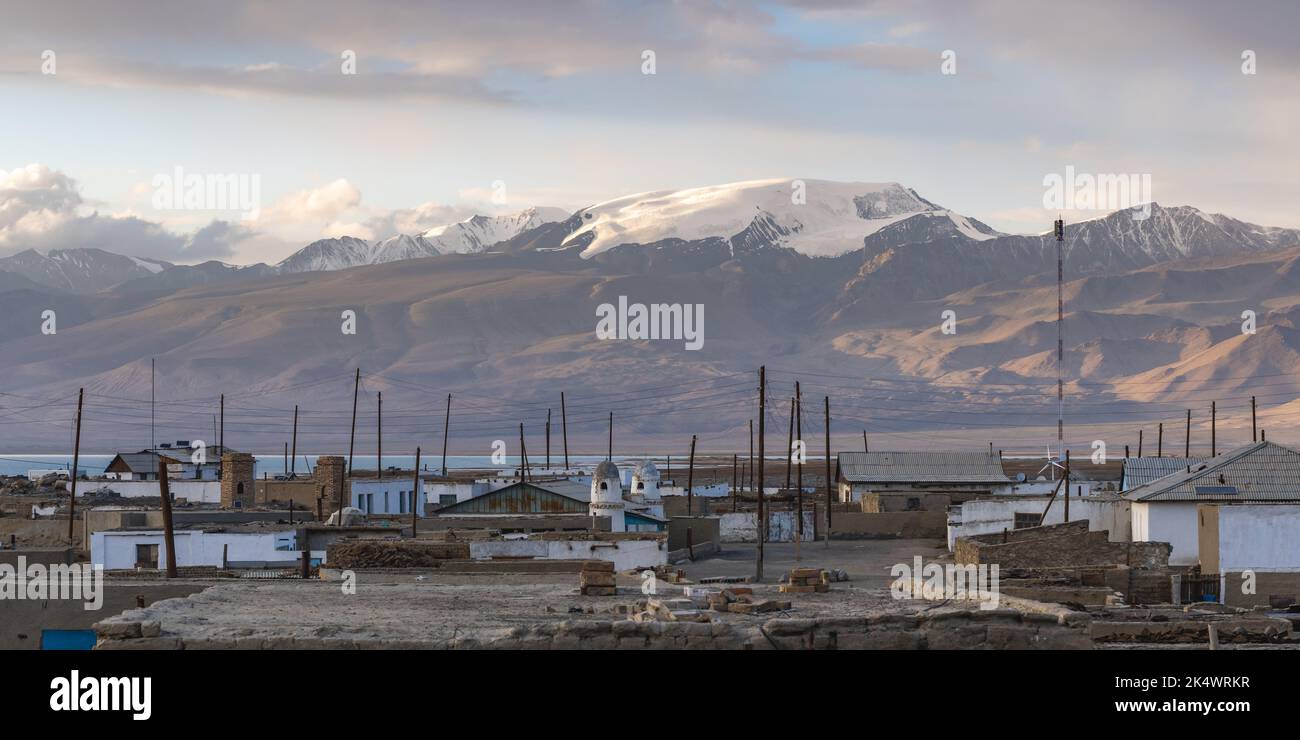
x=887, y=525
x=328, y=475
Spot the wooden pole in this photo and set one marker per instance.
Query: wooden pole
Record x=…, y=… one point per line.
x=1067, y=485
x=221, y=434
x=293, y=456
x=690, y=480
x=751, y=454
x=762, y=429
x=735, y=469
x=1139, y=443
x=415, y=495
x=1254, y=430
x=1187, y=444
x=865, y=447
x=548, y=439
x=169, y=536
x=523, y=473
x=1214, y=444
x=76, y=459
x=379, y=439
x=446, y=427
x=564, y=426
x=798, y=435
x=828, y=471
x=789, y=449
x=352, y=440
x=1160, y=440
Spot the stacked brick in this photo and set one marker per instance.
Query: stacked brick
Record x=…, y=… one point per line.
x=806, y=581
x=596, y=578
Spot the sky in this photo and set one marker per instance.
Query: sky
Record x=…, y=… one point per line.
x=490, y=107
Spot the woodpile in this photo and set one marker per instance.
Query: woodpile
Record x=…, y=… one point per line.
x=596, y=578
x=806, y=581
x=393, y=554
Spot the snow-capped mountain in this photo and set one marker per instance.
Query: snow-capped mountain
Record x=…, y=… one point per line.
x=471, y=236
x=818, y=218
x=479, y=233
x=83, y=270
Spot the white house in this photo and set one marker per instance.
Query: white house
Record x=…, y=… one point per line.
x=146, y=548
x=1252, y=547
x=1165, y=509
x=387, y=495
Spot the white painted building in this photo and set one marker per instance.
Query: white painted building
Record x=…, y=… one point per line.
x=607, y=496
x=1165, y=509
x=387, y=496
x=197, y=491
x=129, y=548
x=991, y=515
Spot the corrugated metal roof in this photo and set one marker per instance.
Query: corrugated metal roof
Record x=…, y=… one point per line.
x=921, y=467
x=1262, y=471
x=1139, y=471
x=518, y=498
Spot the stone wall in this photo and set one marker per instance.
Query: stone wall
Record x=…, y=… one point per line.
x=878, y=502
x=1058, y=545
x=704, y=531
x=237, y=480
x=329, y=476
x=301, y=492
x=995, y=629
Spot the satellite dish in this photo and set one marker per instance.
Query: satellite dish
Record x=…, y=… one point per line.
x=1020, y=477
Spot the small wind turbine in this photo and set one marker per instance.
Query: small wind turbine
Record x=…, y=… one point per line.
x=1053, y=464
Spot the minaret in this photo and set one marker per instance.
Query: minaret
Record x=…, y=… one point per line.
x=645, y=484
x=607, y=496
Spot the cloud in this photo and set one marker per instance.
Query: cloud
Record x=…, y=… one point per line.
x=41, y=208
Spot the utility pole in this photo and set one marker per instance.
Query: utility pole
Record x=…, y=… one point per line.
x=379, y=439
x=548, y=439
x=522, y=471
x=169, y=536
x=564, y=427
x=865, y=447
x=798, y=477
x=293, y=456
x=153, y=441
x=352, y=440
x=221, y=435
x=1059, y=228
x=1187, y=444
x=1214, y=447
x=1139, y=443
x=789, y=448
x=735, y=469
x=1067, y=485
x=762, y=428
x=690, y=480
x=76, y=459
x=828, y=471
x=446, y=426
x=1160, y=440
x=415, y=494
x=1254, y=430
x=751, y=454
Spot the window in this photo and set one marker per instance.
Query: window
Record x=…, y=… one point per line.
x=604, y=486
x=146, y=556
x=1030, y=519
x=913, y=503
x=446, y=499
x=401, y=502
x=385, y=502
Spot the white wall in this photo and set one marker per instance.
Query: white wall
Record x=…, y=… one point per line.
x=116, y=550
x=715, y=490
x=198, y=491
x=987, y=516
x=462, y=490
x=625, y=554
x=742, y=526
x=1175, y=522
x=1262, y=537
x=399, y=494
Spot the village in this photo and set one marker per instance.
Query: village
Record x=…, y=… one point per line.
x=852, y=549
